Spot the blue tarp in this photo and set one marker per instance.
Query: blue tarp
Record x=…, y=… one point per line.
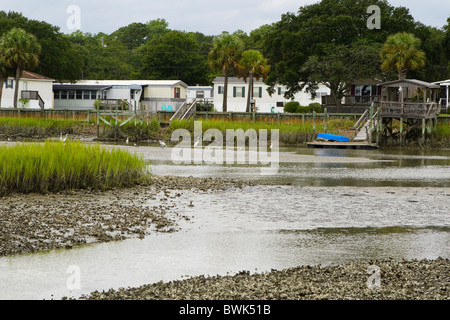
x=332, y=137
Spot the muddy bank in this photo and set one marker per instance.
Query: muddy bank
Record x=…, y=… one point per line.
x=33, y=223
x=398, y=280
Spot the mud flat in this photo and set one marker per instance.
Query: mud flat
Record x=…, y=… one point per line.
x=398, y=280
x=36, y=222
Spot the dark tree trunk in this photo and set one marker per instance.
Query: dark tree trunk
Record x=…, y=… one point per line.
x=250, y=92
x=338, y=103
x=1, y=91
x=225, y=92
x=16, y=88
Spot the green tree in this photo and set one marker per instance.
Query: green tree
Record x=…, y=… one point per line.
x=252, y=65
x=401, y=53
x=175, y=55
x=59, y=59
x=290, y=42
x=256, y=38
x=19, y=50
x=104, y=56
x=223, y=57
x=446, y=44
x=132, y=36
x=433, y=44
x=157, y=28
x=339, y=66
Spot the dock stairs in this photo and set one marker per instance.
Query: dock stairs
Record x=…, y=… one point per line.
x=186, y=111
x=365, y=126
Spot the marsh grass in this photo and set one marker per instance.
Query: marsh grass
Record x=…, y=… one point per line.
x=289, y=133
x=57, y=166
x=33, y=127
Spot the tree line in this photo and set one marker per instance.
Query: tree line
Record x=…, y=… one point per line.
x=328, y=41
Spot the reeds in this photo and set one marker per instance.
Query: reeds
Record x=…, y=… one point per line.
x=57, y=166
x=33, y=127
x=289, y=133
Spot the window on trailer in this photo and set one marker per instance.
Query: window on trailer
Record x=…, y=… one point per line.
x=239, y=92
x=177, y=93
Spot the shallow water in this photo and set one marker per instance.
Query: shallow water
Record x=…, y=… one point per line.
x=330, y=207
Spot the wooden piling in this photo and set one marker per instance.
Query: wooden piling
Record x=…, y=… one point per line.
x=401, y=131
x=314, y=123
x=423, y=130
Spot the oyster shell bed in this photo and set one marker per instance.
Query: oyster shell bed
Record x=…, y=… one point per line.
x=399, y=280
x=32, y=223
x=35, y=222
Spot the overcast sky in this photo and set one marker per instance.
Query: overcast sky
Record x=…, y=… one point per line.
x=206, y=16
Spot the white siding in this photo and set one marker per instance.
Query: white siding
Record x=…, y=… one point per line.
x=265, y=103
x=44, y=87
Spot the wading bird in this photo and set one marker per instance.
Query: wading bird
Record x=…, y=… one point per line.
x=162, y=144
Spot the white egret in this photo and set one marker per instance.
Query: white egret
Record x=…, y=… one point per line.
x=162, y=144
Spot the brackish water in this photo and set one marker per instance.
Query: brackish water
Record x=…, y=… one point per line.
x=321, y=207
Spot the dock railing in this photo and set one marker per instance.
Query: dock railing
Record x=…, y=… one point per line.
x=409, y=110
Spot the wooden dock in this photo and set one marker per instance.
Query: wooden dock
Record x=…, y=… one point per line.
x=342, y=145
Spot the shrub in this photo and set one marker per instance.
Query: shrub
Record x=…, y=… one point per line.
x=317, y=107
x=291, y=107
x=301, y=109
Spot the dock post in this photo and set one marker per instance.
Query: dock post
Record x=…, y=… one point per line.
x=325, y=120
x=378, y=125
x=314, y=123
x=401, y=131
x=370, y=123
x=98, y=123
x=423, y=130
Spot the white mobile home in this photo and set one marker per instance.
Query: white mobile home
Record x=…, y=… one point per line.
x=238, y=91
x=445, y=94
x=200, y=93
x=148, y=95
x=35, y=89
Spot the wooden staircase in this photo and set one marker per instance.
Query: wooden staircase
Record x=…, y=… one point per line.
x=365, y=126
x=186, y=111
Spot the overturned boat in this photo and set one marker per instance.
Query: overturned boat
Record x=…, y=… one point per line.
x=332, y=141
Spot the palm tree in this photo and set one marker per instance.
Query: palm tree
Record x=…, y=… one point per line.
x=226, y=51
x=19, y=50
x=252, y=65
x=401, y=53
